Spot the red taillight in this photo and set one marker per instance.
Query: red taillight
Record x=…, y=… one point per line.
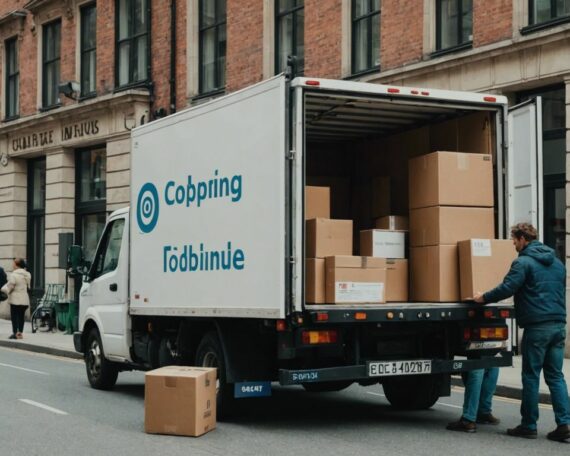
x=319, y=337
x=488, y=314
x=505, y=314
x=490, y=99
x=486, y=333
x=425, y=93
x=281, y=325
x=466, y=333
x=313, y=83
x=393, y=90
x=415, y=92
x=360, y=316
x=322, y=316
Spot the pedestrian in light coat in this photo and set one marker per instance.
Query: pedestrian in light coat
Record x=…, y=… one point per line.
x=537, y=280
x=17, y=290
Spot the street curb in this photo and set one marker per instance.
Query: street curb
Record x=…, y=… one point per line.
x=508, y=391
x=40, y=349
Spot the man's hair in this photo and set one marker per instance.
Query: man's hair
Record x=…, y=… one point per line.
x=21, y=263
x=524, y=230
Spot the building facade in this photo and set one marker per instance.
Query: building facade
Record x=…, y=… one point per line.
x=77, y=76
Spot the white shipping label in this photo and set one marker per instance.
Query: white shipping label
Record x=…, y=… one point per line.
x=389, y=244
x=358, y=292
x=481, y=247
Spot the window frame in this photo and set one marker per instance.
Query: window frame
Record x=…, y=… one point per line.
x=11, y=74
x=33, y=216
x=56, y=61
x=554, y=20
x=83, y=51
x=460, y=46
x=202, y=29
x=97, y=268
x=353, y=21
x=132, y=38
x=278, y=16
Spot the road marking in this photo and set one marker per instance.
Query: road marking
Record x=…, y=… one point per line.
x=449, y=405
x=43, y=406
x=24, y=369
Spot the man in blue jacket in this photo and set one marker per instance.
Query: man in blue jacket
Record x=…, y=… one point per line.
x=537, y=279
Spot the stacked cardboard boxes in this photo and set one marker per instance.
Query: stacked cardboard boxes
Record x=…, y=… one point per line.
x=451, y=199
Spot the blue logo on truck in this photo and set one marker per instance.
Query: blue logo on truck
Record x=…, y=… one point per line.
x=147, y=207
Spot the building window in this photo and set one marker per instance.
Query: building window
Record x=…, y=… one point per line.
x=91, y=194
x=290, y=34
x=133, y=19
x=12, y=79
x=36, y=223
x=88, y=49
x=51, y=62
x=212, y=45
x=365, y=35
x=547, y=10
x=454, y=23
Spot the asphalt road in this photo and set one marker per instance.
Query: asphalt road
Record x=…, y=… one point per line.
x=47, y=408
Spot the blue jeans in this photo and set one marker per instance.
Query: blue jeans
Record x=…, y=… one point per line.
x=480, y=385
x=543, y=348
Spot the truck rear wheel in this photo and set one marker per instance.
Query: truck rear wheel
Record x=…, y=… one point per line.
x=415, y=392
x=211, y=354
x=101, y=373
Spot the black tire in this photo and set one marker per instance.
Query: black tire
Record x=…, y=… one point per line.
x=211, y=354
x=327, y=387
x=417, y=392
x=101, y=373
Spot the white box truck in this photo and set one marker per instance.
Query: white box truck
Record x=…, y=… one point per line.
x=207, y=267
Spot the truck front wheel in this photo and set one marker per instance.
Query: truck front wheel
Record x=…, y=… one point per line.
x=415, y=392
x=210, y=354
x=101, y=373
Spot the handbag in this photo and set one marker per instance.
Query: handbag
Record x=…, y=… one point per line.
x=3, y=295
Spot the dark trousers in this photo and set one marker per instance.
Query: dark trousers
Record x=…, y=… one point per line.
x=17, y=313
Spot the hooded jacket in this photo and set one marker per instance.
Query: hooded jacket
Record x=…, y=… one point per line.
x=537, y=280
x=17, y=287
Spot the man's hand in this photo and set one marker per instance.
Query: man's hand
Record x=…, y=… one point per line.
x=478, y=298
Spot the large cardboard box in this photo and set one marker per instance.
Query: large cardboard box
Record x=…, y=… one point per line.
x=383, y=243
x=339, y=191
x=483, y=263
x=317, y=202
x=354, y=279
x=315, y=281
x=439, y=225
x=393, y=223
x=180, y=400
x=434, y=273
x=451, y=179
x=326, y=237
x=381, y=197
x=396, y=280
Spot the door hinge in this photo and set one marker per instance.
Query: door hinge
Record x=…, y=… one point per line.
x=292, y=154
x=292, y=260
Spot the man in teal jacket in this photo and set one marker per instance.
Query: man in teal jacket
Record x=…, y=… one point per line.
x=537, y=280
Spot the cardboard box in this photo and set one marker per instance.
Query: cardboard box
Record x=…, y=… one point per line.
x=448, y=225
x=434, y=274
x=396, y=280
x=180, y=400
x=354, y=279
x=383, y=243
x=339, y=191
x=380, y=204
x=451, y=179
x=483, y=263
x=315, y=281
x=393, y=223
x=325, y=237
x=317, y=202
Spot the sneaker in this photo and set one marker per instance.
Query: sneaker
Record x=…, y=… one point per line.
x=19, y=336
x=487, y=418
x=560, y=434
x=523, y=432
x=462, y=425
x=13, y=336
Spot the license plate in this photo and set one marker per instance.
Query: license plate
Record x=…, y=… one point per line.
x=389, y=368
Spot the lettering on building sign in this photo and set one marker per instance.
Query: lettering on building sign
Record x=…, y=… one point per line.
x=80, y=130
x=33, y=140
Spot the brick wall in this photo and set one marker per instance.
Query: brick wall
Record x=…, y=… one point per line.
x=492, y=21
x=105, y=47
x=323, y=38
x=160, y=52
x=401, y=31
x=245, y=43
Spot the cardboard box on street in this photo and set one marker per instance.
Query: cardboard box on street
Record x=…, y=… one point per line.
x=315, y=280
x=434, y=274
x=317, y=202
x=383, y=243
x=483, y=263
x=354, y=279
x=180, y=400
x=441, y=225
x=326, y=237
x=392, y=223
x=397, y=280
x=451, y=179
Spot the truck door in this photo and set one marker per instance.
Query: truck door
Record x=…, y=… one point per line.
x=524, y=165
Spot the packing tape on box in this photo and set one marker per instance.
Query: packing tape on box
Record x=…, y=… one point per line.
x=364, y=262
x=462, y=162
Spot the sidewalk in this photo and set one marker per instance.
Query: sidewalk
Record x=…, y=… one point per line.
x=60, y=344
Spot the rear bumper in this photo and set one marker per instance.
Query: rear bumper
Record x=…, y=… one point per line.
x=78, y=341
x=360, y=372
